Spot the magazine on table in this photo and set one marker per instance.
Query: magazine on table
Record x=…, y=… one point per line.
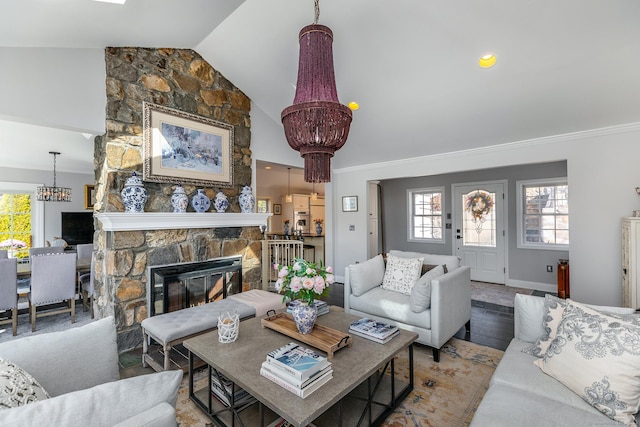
x=375, y=339
x=225, y=389
x=284, y=375
x=301, y=362
x=321, y=306
x=373, y=328
x=300, y=392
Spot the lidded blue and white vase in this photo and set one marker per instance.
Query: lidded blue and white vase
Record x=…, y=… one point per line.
x=200, y=201
x=179, y=200
x=247, y=200
x=221, y=203
x=304, y=316
x=134, y=195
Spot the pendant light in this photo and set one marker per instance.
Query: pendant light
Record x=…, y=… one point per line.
x=316, y=125
x=53, y=194
x=314, y=195
x=289, y=197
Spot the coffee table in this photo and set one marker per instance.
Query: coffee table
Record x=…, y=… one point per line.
x=360, y=393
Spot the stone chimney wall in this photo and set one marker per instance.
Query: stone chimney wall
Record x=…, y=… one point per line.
x=182, y=80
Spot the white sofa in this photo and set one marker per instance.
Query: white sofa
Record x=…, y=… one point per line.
x=78, y=368
x=450, y=306
x=520, y=394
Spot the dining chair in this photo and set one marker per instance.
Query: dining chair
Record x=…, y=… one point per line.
x=53, y=279
x=84, y=250
x=9, y=291
x=86, y=283
x=46, y=250
x=4, y=254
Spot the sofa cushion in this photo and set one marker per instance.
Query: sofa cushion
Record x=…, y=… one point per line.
x=597, y=356
x=17, y=387
x=420, y=298
x=527, y=319
x=452, y=261
x=516, y=370
x=401, y=274
x=103, y=405
x=66, y=351
x=503, y=406
x=390, y=305
x=366, y=275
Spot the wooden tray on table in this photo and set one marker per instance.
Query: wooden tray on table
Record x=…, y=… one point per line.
x=323, y=338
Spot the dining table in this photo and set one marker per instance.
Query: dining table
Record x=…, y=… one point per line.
x=83, y=265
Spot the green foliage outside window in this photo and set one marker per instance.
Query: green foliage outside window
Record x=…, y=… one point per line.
x=15, y=223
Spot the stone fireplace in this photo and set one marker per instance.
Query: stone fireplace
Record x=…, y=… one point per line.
x=127, y=244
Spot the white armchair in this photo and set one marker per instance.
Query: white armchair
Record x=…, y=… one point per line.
x=9, y=291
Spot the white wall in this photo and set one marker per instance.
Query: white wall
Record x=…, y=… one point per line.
x=603, y=173
x=52, y=210
x=35, y=87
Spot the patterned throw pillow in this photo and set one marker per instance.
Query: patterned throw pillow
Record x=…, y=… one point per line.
x=401, y=273
x=597, y=356
x=553, y=310
x=17, y=387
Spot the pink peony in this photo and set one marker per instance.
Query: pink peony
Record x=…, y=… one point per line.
x=330, y=278
x=283, y=272
x=296, y=284
x=310, y=271
x=308, y=283
x=278, y=285
x=319, y=284
x=329, y=270
x=297, y=266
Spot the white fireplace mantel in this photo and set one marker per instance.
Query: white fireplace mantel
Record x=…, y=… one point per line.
x=128, y=221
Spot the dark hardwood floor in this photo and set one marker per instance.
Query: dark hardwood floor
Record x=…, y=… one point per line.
x=491, y=325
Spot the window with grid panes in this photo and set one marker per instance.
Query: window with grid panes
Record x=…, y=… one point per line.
x=543, y=214
x=426, y=222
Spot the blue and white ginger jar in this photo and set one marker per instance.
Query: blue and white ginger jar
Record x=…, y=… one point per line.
x=179, y=200
x=221, y=203
x=247, y=200
x=134, y=195
x=304, y=316
x=200, y=202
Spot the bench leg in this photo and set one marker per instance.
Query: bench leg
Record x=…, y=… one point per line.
x=145, y=348
x=167, y=362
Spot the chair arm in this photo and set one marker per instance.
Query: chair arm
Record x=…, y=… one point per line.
x=450, y=304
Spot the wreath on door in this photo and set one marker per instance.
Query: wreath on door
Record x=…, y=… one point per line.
x=479, y=204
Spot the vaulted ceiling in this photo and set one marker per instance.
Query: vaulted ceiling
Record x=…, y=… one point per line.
x=562, y=66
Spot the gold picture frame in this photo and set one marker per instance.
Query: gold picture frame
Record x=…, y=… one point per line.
x=277, y=209
x=89, y=196
x=185, y=148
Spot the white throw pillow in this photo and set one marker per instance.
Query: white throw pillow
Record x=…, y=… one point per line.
x=401, y=274
x=420, y=298
x=366, y=275
x=17, y=387
x=597, y=356
x=553, y=311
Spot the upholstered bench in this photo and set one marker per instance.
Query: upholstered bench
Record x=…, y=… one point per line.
x=171, y=329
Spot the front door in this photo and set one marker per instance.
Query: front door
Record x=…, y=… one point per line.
x=479, y=225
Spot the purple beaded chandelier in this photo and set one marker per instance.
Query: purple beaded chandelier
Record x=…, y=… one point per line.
x=316, y=125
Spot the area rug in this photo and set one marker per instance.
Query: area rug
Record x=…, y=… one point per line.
x=444, y=394
x=494, y=294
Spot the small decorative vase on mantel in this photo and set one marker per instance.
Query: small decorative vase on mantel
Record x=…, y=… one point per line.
x=246, y=199
x=134, y=195
x=221, y=203
x=304, y=316
x=179, y=200
x=200, y=202
x=318, y=229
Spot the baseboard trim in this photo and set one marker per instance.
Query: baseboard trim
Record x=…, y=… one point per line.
x=537, y=286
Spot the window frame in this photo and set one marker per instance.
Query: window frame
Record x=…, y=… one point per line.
x=520, y=186
x=410, y=215
x=37, y=208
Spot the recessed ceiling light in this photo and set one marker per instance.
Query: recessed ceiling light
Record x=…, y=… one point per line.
x=487, y=61
x=267, y=167
x=354, y=106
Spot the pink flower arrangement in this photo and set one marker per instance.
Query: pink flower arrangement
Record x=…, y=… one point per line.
x=303, y=280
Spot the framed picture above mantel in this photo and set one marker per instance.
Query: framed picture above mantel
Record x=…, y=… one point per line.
x=185, y=148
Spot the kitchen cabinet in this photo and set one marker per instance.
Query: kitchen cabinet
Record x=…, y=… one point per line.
x=300, y=202
x=631, y=262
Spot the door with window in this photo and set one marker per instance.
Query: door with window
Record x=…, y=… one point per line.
x=479, y=229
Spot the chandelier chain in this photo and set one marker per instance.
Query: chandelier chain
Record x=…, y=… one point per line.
x=316, y=6
x=54, y=169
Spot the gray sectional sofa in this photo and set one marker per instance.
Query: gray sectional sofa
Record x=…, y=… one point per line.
x=450, y=299
x=520, y=394
x=79, y=369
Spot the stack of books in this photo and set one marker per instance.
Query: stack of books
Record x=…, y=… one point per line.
x=375, y=331
x=281, y=422
x=222, y=389
x=297, y=369
x=321, y=306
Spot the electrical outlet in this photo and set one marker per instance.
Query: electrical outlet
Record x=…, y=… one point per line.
x=549, y=268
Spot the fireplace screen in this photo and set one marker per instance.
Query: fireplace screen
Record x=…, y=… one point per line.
x=177, y=286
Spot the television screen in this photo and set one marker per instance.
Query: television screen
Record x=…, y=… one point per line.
x=77, y=227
